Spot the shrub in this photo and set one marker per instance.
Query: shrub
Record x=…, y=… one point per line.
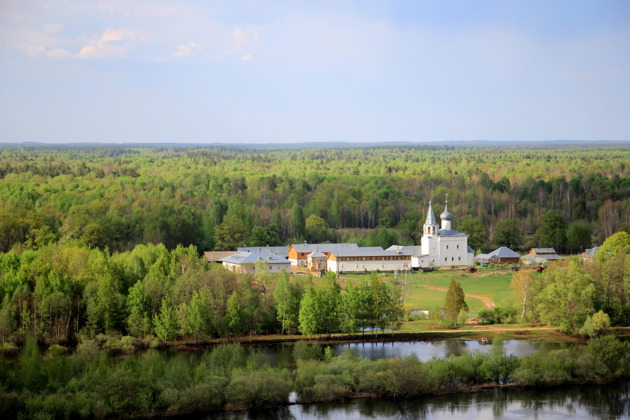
x=264, y=387
x=304, y=351
x=595, y=324
x=224, y=358
x=550, y=369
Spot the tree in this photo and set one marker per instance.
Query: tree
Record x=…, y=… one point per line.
x=287, y=296
x=138, y=321
x=165, y=323
x=233, y=320
x=263, y=236
x=309, y=312
x=382, y=237
x=319, y=307
x=578, y=237
x=230, y=234
x=316, y=229
x=409, y=226
x=105, y=305
x=613, y=277
x=454, y=302
x=197, y=322
x=506, y=233
x=552, y=232
x=567, y=296
x=297, y=225
x=523, y=285
x=476, y=231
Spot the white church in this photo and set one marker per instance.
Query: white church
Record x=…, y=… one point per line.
x=440, y=247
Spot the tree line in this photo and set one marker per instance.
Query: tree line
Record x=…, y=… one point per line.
x=219, y=198
x=580, y=297
x=57, y=293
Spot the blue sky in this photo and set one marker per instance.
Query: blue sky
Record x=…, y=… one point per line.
x=302, y=71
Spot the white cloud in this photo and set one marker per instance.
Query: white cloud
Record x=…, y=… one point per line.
x=34, y=50
x=59, y=54
x=239, y=36
x=113, y=42
x=247, y=57
x=186, y=50
x=51, y=28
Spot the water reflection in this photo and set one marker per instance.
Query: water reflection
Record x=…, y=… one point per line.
x=602, y=401
x=282, y=354
x=428, y=350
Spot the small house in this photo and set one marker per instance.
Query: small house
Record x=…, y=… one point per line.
x=316, y=261
x=502, y=255
x=251, y=262
x=542, y=256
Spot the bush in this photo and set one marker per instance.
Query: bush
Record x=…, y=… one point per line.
x=554, y=368
x=499, y=315
x=257, y=388
x=87, y=347
x=595, y=324
x=224, y=358
x=603, y=359
x=209, y=395
x=303, y=351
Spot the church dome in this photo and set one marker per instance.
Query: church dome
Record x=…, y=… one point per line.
x=446, y=215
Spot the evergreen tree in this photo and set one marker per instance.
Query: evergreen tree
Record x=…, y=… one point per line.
x=454, y=302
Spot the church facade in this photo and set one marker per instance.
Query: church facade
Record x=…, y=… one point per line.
x=440, y=246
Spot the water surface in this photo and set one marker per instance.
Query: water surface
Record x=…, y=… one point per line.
x=583, y=402
x=282, y=354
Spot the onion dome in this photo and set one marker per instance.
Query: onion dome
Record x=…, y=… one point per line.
x=446, y=215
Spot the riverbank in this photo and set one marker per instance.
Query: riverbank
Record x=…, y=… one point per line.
x=229, y=378
x=534, y=334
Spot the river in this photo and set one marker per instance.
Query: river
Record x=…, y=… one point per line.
x=425, y=350
x=575, y=402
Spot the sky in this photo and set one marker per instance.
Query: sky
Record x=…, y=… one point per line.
x=136, y=71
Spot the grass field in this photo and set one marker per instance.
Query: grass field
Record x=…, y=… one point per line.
x=420, y=292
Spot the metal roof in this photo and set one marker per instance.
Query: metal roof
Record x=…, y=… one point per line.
x=414, y=250
x=282, y=251
x=216, y=256
x=245, y=257
x=431, y=216
x=536, y=257
x=450, y=232
x=309, y=248
x=316, y=254
x=368, y=251
x=544, y=250
x=590, y=252
x=504, y=252
x=446, y=215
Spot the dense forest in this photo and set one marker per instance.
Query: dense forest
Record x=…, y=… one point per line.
x=107, y=239
x=220, y=197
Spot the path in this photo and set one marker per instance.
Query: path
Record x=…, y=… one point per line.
x=486, y=301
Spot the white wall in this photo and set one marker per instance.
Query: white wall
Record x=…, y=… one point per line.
x=385, y=265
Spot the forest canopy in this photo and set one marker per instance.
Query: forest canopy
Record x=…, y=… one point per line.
x=222, y=197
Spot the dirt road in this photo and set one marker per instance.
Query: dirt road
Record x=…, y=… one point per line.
x=486, y=301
